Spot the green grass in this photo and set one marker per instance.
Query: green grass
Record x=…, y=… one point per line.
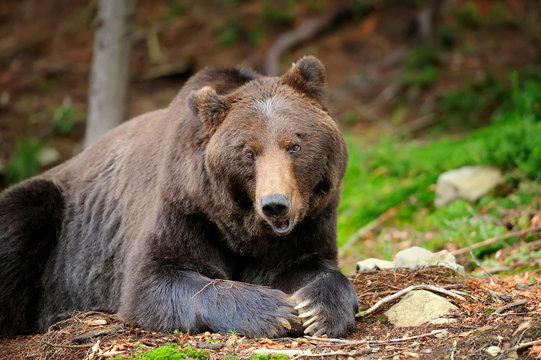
x=398, y=174
x=23, y=162
x=178, y=352
x=171, y=352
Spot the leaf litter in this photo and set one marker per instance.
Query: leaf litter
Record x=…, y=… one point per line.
x=497, y=319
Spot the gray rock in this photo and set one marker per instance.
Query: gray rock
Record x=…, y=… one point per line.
x=418, y=307
x=415, y=257
x=373, y=264
x=468, y=182
x=48, y=156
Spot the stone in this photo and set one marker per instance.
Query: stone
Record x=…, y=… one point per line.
x=373, y=264
x=493, y=351
x=48, y=157
x=468, y=182
x=415, y=257
x=418, y=307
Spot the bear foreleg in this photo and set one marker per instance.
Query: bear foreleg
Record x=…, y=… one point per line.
x=171, y=298
x=327, y=304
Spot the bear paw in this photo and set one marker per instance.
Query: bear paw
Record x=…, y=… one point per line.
x=327, y=305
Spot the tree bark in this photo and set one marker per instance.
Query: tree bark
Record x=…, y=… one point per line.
x=110, y=73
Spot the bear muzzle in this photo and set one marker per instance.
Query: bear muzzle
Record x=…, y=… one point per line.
x=275, y=208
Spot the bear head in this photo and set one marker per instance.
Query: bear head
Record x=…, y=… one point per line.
x=274, y=146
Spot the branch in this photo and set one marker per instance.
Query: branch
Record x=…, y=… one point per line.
x=509, y=306
x=495, y=239
x=82, y=346
x=97, y=333
x=304, y=32
x=405, y=291
x=375, y=342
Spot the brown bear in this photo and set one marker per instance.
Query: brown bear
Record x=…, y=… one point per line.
x=217, y=213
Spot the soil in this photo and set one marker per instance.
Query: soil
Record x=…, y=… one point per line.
x=496, y=313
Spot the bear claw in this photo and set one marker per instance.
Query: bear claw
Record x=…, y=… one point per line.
x=303, y=304
x=312, y=328
x=310, y=321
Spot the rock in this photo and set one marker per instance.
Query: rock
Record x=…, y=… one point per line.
x=373, y=264
x=48, y=156
x=415, y=257
x=493, y=350
x=418, y=307
x=468, y=182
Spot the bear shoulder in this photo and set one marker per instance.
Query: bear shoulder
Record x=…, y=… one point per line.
x=223, y=80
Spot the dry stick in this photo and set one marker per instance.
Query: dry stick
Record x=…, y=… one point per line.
x=82, y=346
x=103, y=332
x=495, y=239
x=374, y=342
x=304, y=32
x=524, y=345
x=333, y=353
x=454, y=349
x=405, y=291
x=509, y=306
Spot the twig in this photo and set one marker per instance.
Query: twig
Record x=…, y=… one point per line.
x=495, y=239
x=521, y=313
x=468, y=295
x=509, y=306
x=375, y=342
x=212, y=282
x=476, y=262
x=304, y=32
x=453, y=352
x=81, y=346
x=405, y=291
x=524, y=345
x=340, y=341
x=333, y=353
x=96, y=333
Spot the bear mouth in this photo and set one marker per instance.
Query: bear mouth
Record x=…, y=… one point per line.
x=282, y=227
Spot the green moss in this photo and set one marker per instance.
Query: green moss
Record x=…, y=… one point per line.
x=172, y=352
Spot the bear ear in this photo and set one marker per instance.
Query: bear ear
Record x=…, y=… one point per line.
x=308, y=76
x=207, y=105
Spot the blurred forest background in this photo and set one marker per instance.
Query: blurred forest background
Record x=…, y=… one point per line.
x=418, y=87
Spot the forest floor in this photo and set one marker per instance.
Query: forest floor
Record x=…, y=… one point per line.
x=500, y=319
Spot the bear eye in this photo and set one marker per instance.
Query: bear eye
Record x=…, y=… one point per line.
x=295, y=148
x=249, y=155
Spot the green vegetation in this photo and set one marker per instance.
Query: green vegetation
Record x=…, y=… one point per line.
x=269, y=357
x=393, y=174
x=420, y=69
x=63, y=117
x=171, y=352
x=468, y=15
x=24, y=162
x=279, y=12
x=178, y=352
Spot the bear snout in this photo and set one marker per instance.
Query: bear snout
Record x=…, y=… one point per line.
x=275, y=208
x=275, y=205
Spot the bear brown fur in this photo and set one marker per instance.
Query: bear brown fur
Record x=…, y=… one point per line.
x=217, y=213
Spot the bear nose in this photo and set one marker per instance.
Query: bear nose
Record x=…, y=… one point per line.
x=275, y=205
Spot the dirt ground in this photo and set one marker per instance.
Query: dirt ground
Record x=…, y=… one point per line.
x=497, y=314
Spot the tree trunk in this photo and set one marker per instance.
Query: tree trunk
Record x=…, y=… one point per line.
x=110, y=73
